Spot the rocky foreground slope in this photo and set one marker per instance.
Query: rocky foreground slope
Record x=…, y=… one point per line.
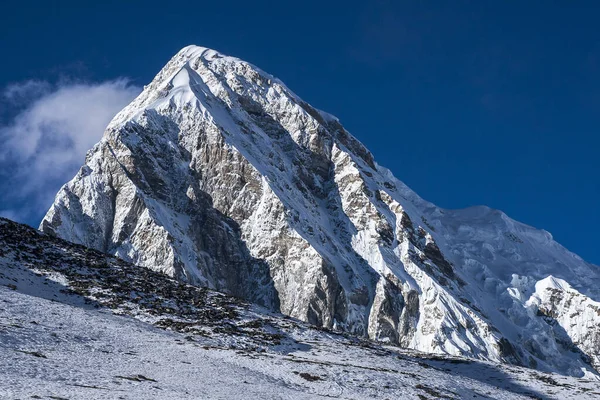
x=220, y=176
x=79, y=324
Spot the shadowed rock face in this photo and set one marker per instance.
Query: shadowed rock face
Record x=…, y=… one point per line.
x=219, y=175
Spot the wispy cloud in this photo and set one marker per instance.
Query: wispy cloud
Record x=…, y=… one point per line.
x=43, y=145
x=23, y=92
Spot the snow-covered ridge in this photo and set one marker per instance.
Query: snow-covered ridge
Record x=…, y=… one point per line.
x=219, y=175
x=79, y=324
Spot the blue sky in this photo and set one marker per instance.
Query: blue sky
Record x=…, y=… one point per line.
x=468, y=102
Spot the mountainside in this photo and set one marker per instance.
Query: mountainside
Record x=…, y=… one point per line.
x=79, y=324
x=220, y=176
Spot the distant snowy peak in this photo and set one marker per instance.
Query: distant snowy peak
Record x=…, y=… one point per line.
x=219, y=175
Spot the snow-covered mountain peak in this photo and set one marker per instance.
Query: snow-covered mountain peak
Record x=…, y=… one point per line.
x=193, y=51
x=221, y=176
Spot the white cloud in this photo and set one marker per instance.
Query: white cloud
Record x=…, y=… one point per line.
x=25, y=91
x=44, y=144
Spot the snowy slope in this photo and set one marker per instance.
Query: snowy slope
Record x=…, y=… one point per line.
x=76, y=323
x=220, y=176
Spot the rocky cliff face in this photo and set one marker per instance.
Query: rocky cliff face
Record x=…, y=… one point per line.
x=219, y=175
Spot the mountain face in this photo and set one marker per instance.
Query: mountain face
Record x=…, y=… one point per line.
x=220, y=176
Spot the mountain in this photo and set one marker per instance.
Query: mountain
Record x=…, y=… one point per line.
x=79, y=324
x=220, y=176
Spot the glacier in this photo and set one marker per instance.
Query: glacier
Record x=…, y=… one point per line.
x=219, y=175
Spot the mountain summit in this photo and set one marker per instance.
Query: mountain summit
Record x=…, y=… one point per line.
x=220, y=176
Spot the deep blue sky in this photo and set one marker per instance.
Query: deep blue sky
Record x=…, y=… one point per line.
x=468, y=102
